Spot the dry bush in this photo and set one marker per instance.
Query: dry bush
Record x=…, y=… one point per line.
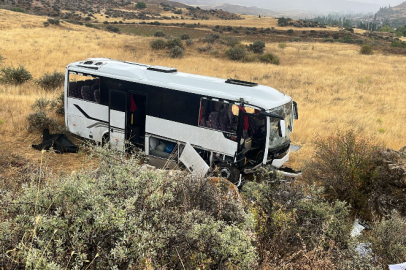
x=291, y=222
x=121, y=216
x=346, y=165
x=15, y=76
x=388, y=239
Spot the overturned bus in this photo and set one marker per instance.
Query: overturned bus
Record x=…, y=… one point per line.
x=203, y=122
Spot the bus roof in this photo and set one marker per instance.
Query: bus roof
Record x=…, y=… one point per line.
x=260, y=96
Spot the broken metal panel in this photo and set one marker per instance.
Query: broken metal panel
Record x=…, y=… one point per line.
x=193, y=161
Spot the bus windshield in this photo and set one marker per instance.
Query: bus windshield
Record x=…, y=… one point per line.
x=285, y=111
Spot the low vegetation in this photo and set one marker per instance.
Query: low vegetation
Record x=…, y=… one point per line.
x=51, y=81
x=14, y=76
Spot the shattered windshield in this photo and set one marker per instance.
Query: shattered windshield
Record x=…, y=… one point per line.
x=286, y=112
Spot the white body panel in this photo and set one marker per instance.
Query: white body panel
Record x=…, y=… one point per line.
x=92, y=109
x=279, y=162
x=205, y=138
x=117, y=119
x=193, y=162
x=79, y=124
x=117, y=129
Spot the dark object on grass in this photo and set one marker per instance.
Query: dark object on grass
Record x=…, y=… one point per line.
x=58, y=142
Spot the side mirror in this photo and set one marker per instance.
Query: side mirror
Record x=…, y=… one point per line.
x=281, y=128
x=295, y=111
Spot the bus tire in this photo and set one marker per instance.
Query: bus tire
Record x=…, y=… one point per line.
x=229, y=172
x=106, y=139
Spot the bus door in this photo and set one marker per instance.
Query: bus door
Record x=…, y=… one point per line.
x=136, y=118
x=117, y=118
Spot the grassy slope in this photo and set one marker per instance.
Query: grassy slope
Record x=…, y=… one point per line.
x=334, y=85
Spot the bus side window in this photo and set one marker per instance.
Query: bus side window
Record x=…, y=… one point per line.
x=217, y=115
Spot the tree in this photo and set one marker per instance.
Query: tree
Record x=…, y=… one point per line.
x=141, y=5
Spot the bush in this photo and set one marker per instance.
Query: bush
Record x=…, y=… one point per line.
x=345, y=164
x=257, y=47
x=140, y=5
x=18, y=9
x=175, y=42
x=158, y=44
x=46, y=24
x=366, y=49
x=52, y=81
x=269, y=58
x=38, y=121
x=398, y=44
x=124, y=216
x=211, y=38
x=185, y=36
x=113, y=29
x=54, y=21
x=236, y=53
x=282, y=45
x=289, y=218
x=388, y=239
x=231, y=42
x=284, y=21
x=176, y=52
x=159, y=33
x=189, y=42
x=16, y=76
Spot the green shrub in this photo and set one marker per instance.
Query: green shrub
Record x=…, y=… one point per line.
x=124, y=216
x=46, y=24
x=158, y=44
x=269, y=58
x=284, y=21
x=51, y=81
x=366, y=49
x=113, y=29
x=211, y=38
x=231, y=42
x=257, y=47
x=140, y=5
x=236, y=53
x=189, y=42
x=38, y=121
x=54, y=21
x=185, y=36
x=289, y=217
x=398, y=44
x=18, y=9
x=159, y=33
x=105, y=22
x=328, y=40
x=282, y=45
x=16, y=76
x=388, y=239
x=176, y=52
x=172, y=43
x=2, y=58
x=290, y=31
x=345, y=164
x=41, y=104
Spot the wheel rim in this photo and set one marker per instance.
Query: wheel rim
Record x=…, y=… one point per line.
x=225, y=173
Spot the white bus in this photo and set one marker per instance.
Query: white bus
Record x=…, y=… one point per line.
x=233, y=125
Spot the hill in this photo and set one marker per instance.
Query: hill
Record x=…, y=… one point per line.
x=315, y=6
x=88, y=10
x=393, y=16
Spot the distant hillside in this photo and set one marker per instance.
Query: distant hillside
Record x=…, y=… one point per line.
x=245, y=10
x=88, y=9
x=393, y=16
x=315, y=6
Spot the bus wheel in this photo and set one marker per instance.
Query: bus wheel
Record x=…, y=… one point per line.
x=105, y=139
x=229, y=172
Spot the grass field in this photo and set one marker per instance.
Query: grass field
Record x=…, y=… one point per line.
x=335, y=86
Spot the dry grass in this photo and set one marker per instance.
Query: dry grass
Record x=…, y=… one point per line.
x=334, y=85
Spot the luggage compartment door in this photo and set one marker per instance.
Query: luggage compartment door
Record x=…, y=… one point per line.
x=193, y=162
x=117, y=119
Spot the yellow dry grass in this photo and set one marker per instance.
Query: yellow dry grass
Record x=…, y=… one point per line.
x=334, y=85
